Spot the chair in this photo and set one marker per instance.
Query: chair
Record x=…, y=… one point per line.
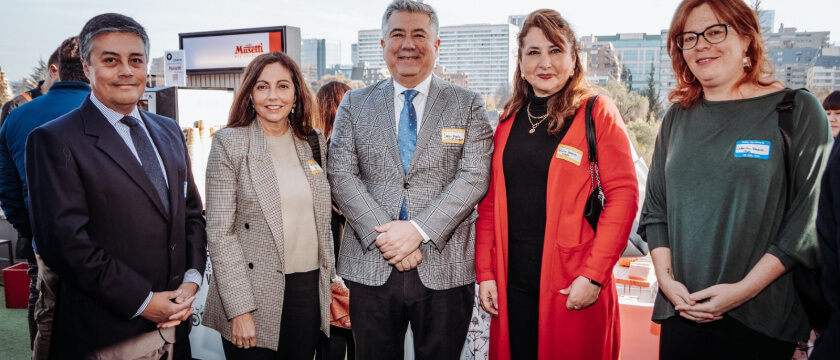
x=11, y=258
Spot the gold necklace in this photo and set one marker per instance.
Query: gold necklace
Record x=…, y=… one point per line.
x=531, y=119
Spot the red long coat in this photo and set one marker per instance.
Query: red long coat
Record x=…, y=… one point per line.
x=571, y=247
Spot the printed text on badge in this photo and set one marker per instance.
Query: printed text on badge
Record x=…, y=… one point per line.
x=570, y=154
x=754, y=149
x=452, y=136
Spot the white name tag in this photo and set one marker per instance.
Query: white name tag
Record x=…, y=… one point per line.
x=755, y=149
x=453, y=136
x=314, y=167
x=570, y=154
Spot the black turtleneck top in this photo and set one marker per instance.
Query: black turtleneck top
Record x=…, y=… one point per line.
x=525, y=163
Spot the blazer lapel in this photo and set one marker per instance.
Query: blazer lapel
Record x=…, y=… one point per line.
x=114, y=146
x=431, y=116
x=388, y=121
x=265, y=183
x=163, y=146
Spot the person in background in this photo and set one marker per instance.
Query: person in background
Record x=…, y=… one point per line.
x=725, y=216
x=340, y=342
x=66, y=94
x=831, y=104
x=268, y=219
x=24, y=244
x=115, y=211
x=543, y=271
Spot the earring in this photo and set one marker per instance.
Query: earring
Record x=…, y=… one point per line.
x=746, y=62
x=686, y=81
x=522, y=76
x=293, y=108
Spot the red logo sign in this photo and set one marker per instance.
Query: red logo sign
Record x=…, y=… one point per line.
x=249, y=49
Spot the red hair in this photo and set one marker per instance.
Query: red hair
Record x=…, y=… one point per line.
x=744, y=22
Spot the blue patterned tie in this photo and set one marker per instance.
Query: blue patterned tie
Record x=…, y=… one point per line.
x=407, y=137
x=148, y=159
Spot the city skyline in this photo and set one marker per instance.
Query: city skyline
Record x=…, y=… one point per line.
x=35, y=28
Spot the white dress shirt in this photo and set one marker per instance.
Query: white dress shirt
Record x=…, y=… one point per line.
x=419, y=103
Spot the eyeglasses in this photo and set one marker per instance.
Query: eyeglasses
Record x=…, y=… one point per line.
x=714, y=34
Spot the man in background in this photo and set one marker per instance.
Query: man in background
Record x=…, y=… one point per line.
x=65, y=95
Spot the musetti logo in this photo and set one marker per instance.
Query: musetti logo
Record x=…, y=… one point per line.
x=249, y=49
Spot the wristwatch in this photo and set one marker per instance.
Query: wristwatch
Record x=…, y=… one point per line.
x=593, y=282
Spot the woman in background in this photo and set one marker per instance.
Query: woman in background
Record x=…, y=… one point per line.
x=268, y=208
x=831, y=104
x=340, y=342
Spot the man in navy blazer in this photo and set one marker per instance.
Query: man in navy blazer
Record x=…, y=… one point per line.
x=115, y=211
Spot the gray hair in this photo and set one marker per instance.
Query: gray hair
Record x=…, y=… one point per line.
x=108, y=23
x=411, y=6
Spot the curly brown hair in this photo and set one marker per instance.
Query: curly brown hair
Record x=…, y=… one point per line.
x=329, y=97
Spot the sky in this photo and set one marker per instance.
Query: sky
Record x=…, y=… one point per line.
x=32, y=29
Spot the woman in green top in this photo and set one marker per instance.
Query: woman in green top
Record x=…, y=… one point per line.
x=723, y=222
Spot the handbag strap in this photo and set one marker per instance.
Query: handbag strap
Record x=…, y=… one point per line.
x=785, y=109
x=315, y=144
x=594, y=174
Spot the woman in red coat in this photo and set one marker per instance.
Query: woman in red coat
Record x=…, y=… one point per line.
x=543, y=272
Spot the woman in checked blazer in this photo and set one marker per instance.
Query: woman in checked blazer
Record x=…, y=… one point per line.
x=268, y=219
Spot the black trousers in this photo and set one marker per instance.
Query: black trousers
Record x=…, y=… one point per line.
x=523, y=321
x=299, y=325
x=727, y=338
x=380, y=315
x=339, y=346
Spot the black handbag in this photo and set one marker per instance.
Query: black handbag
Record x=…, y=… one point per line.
x=596, y=201
x=808, y=282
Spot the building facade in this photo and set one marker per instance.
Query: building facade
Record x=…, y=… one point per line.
x=487, y=53
x=636, y=52
x=825, y=73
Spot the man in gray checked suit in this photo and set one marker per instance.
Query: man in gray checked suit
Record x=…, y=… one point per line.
x=409, y=160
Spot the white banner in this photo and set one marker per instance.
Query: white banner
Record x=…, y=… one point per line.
x=174, y=68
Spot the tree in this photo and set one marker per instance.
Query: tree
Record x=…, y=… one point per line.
x=627, y=78
x=631, y=105
x=40, y=71
x=654, y=107
x=756, y=6
x=5, y=88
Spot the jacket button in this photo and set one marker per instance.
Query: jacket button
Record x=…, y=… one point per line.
x=247, y=226
x=406, y=186
x=250, y=265
x=173, y=247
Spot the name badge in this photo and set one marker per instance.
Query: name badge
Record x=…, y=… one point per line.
x=570, y=154
x=755, y=149
x=453, y=136
x=314, y=167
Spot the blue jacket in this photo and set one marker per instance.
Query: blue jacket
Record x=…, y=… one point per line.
x=62, y=98
x=828, y=219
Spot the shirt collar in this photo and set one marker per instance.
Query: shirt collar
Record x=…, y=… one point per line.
x=111, y=115
x=422, y=87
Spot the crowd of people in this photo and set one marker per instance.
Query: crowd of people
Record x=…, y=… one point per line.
x=402, y=194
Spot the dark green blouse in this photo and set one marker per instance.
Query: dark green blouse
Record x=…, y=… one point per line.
x=717, y=196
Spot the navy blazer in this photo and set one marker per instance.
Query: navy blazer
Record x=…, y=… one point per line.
x=101, y=226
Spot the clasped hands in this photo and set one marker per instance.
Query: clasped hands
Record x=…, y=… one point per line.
x=399, y=241
x=706, y=305
x=170, y=308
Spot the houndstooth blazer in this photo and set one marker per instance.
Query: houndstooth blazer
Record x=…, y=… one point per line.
x=245, y=233
x=444, y=183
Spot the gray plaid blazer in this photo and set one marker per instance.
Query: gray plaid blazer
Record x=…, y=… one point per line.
x=444, y=183
x=245, y=233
